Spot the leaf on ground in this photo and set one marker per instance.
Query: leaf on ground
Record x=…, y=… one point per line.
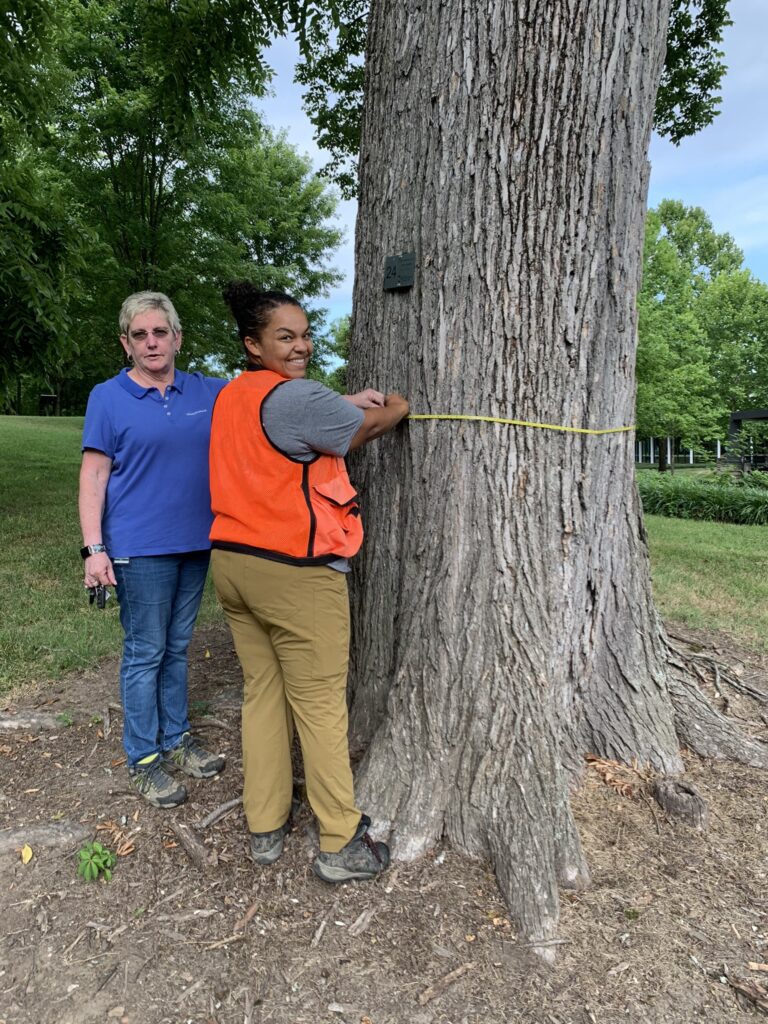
x=26, y=853
x=625, y=779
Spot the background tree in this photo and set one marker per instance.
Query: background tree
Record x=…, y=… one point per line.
x=41, y=238
x=176, y=184
x=703, y=330
x=503, y=619
x=338, y=354
x=733, y=313
x=677, y=394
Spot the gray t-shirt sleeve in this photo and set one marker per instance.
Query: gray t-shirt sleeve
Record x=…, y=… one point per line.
x=304, y=417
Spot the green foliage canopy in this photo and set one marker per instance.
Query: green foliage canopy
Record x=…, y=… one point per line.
x=166, y=177
x=333, y=37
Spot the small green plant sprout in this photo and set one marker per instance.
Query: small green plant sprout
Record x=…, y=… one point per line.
x=65, y=718
x=95, y=860
x=95, y=720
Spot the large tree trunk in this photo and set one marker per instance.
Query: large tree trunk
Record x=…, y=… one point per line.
x=503, y=622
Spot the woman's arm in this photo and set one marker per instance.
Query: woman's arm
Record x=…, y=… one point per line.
x=94, y=477
x=379, y=421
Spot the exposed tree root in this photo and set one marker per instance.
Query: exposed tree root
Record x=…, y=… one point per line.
x=700, y=726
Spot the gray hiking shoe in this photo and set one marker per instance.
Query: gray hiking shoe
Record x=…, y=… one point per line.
x=193, y=759
x=360, y=859
x=156, y=785
x=266, y=847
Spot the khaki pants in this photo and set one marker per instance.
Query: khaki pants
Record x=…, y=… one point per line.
x=290, y=625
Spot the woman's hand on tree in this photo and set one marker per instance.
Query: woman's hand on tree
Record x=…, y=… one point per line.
x=367, y=399
x=380, y=419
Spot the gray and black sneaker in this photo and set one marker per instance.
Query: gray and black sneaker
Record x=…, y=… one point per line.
x=361, y=858
x=155, y=784
x=266, y=847
x=193, y=759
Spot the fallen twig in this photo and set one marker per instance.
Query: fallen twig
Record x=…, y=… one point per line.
x=753, y=990
x=223, y=942
x=107, y=978
x=247, y=916
x=321, y=927
x=358, y=926
x=195, y=915
x=69, y=949
x=653, y=813
x=192, y=988
x=439, y=986
x=202, y=856
x=219, y=813
x=318, y=934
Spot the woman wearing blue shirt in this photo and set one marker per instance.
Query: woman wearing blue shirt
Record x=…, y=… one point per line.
x=145, y=516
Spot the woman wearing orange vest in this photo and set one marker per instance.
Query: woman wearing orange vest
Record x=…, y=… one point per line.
x=286, y=521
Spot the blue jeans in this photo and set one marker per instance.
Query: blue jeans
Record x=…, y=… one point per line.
x=159, y=599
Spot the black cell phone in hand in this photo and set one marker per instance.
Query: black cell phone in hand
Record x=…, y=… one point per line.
x=98, y=595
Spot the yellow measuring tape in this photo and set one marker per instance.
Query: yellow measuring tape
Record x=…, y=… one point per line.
x=517, y=423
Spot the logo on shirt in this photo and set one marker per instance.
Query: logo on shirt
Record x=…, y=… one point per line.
x=196, y=412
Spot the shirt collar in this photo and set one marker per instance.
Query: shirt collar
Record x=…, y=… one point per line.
x=130, y=385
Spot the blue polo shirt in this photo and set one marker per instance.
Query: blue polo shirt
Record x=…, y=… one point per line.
x=158, y=501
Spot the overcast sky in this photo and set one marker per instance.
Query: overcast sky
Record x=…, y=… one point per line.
x=723, y=169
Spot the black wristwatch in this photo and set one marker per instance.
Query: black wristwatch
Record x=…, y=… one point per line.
x=92, y=549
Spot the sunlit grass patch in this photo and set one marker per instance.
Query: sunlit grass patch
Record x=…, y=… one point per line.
x=712, y=575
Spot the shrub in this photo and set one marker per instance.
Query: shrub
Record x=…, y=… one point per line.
x=722, y=501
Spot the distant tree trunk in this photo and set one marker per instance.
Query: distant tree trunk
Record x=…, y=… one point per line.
x=503, y=622
x=663, y=463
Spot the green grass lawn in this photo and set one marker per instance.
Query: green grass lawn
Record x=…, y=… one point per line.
x=46, y=625
x=707, y=575
x=712, y=576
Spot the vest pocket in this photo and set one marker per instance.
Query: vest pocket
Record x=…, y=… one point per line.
x=339, y=492
x=339, y=528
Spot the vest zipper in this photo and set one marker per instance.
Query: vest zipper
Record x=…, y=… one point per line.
x=312, y=517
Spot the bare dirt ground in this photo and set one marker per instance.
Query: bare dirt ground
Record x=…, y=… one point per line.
x=675, y=921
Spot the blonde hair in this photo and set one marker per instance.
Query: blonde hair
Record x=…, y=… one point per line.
x=143, y=302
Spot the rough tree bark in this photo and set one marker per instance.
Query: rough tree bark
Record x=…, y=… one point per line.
x=503, y=622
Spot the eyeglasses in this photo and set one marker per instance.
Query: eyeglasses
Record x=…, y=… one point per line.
x=142, y=335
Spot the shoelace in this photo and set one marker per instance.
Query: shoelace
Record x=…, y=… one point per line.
x=365, y=838
x=191, y=745
x=147, y=776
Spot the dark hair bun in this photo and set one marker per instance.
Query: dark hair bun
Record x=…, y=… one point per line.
x=252, y=307
x=241, y=296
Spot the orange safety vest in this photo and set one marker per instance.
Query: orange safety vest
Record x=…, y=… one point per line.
x=266, y=502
